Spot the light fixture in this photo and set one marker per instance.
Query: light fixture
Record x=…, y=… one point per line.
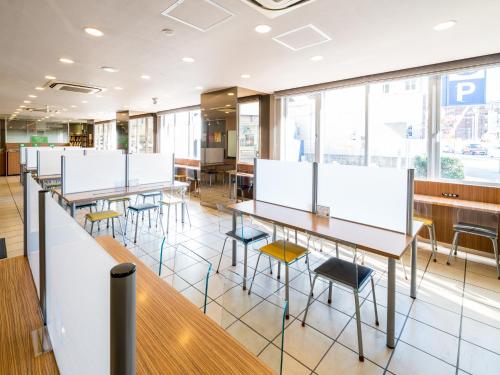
x=93, y=31
x=228, y=105
x=198, y=88
x=98, y=96
x=22, y=106
x=245, y=75
x=445, y=25
x=230, y=93
x=27, y=101
x=262, y=29
x=65, y=109
x=73, y=106
x=50, y=77
x=226, y=112
x=118, y=88
x=39, y=88
x=109, y=69
x=317, y=58
x=188, y=59
x=84, y=101
x=145, y=76
x=32, y=96
x=65, y=60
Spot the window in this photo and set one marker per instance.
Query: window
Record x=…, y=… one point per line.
x=470, y=126
x=248, y=132
x=180, y=133
x=397, y=124
x=299, y=141
x=105, y=136
x=141, y=135
x=343, y=126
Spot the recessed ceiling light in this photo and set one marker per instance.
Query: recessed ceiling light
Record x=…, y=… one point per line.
x=245, y=75
x=84, y=101
x=27, y=101
x=145, y=76
x=263, y=29
x=228, y=105
x=65, y=109
x=109, y=69
x=445, y=25
x=22, y=106
x=98, y=96
x=73, y=106
x=317, y=58
x=226, y=112
x=93, y=31
x=32, y=96
x=118, y=88
x=39, y=88
x=230, y=93
x=50, y=77
x=198, y=88
x=188, y=59
x=65, y=60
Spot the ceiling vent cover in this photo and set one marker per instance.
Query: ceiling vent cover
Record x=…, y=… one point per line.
x=275, y=8
x=303, y=37
x=73, y=87
x=201, y=15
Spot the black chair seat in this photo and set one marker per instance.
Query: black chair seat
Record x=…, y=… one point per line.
x=476, y=229
x=344, y=272
x=143, y=207
x=150, y=194
x=247, y=235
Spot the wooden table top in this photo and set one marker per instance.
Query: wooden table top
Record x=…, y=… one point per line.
x=20, y=314
x=175, y=337
x=93, y=195
x=241, y=174
x=458, y=203
x=372, y=239
x=193, y=167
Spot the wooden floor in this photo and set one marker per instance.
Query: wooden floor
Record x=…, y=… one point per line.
x=11, y=224
x=19, y=315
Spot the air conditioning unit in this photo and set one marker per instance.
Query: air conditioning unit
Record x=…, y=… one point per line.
x=74, y=87
x=275, y=8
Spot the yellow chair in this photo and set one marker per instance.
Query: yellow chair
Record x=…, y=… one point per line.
x=288, y=253
x=104, y=215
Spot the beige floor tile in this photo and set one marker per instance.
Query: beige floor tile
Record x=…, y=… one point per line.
x=482, y=295
x=481, y=334
x=248, y=337
x=195, y=273
x=305, y=344
x=175, y=281
x=374, y=342
x=267, y=319
x=486, y=282
x=436, y=317
x=194, y=295
x=368, y=317
x=271, y=356
x=237, y=301
x=441, y=291
x=481, y=312
x=340, y=360
x=403, y=301
x=476, y=360
x=219, y=315
x=455, y=270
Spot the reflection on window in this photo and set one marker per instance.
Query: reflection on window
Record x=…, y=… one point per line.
x=22, y=131
x=105, y=136
x=343, y=126
x=180, y=133
x=300, y=128
x=248, y=132
x=141, y=135
x=397, y=124
x=470, y=126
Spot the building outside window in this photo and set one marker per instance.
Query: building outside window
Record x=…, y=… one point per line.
x=248, y=132
x=105, y=136
x=141, y=135
x=180, y=133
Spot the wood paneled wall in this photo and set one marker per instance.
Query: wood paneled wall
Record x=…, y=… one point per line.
x=188, y=162
x=443, y=216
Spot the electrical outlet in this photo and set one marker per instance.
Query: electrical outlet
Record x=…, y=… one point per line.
x=449, y=195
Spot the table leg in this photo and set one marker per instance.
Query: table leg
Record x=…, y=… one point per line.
x=236, y=187
x=391, y=301
x=234, y=241
x=413, y=291
x=73, y=209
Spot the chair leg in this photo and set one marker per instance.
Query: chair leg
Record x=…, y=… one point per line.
x=358, y=323
x=136, y=225
x=113, y=226
x=107, y=221
x=245, y=266
x=91, y=228
x=330, y=291
x=161, y=222
x=254, y=273
x=279, y=270
x=495, y=250
x=404, y=268
x=221, y=253
x=308, y=269
x=187, y=213
x=123, y=233
x=374, y=301
x=85, y=223
x=287, y=292
x=454, y=246
x=434, y=243
x=149, y=218
x=168, y=217
x=309, y=301
x=337, y=249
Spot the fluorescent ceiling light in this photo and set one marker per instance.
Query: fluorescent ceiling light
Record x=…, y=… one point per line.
x=93, y=31
x=245, y=75
x=39, y=88
x=230, y=93
x=198, y=88
x=22, y=106
x=98, y=96
x=445, y=25
x=50, y=77
x=32, y=96
x=118, y=88
x=27, y=101
x=145, y=76
x=73, y=106
x=84, y=101
x=317, y=58
x=65, y=60
x=188, y=59
x=109, y=69
x=262, y=29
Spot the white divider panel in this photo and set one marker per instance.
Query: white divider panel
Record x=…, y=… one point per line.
x=149, y=168
x=287, y=183
x=30, y=157
x=78, y=292
x=93, y=151
x=367, y=195
x=22, y=154
x=93, y=172
x=50, y=160
x=32, y=230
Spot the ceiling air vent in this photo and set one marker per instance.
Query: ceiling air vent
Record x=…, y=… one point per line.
x=275, y=8
x=73, y=87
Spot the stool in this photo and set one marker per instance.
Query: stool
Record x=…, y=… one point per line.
x=104, y=215
x=124, y=201
x=145, y=207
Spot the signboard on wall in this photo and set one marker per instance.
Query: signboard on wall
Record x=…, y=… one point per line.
x=39, y=139
x=464, y=89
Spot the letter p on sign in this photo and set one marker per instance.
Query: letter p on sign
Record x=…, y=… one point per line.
x=464, y=89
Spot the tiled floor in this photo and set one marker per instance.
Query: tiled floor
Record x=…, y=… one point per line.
x=452, y=327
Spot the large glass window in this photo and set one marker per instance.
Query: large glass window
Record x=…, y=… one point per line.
x=299, y=141
x=141, y=135
x=248, y=132
x=180, y=133
x=105, y=136
x=470, y=126
x=343, y=126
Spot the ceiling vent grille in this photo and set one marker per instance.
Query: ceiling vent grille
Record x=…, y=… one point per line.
x=73, y=87
x=201, y=15
x=302, y=37
x=275, y=8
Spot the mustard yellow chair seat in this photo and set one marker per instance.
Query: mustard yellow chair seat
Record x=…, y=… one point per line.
x=285, y=252
x=426, y=221
x=103, y=215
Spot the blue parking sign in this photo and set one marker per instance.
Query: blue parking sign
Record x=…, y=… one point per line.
x=464, y=88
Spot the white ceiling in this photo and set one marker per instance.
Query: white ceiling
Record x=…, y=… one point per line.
x=367, y=37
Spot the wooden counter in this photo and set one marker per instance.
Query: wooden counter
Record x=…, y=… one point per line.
x=173, y=336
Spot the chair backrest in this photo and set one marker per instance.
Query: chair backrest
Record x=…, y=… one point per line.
x=477, y=218
x=423, y=210
x=225, y=222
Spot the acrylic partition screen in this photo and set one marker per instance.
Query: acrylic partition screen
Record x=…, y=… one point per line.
x=286, y=183
x=49, y=160
x=93, y=151
x=367, y=195
x=78, y=292
x=150, y=168
x=32, y=229
x=31, y=154
x=93, y=172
